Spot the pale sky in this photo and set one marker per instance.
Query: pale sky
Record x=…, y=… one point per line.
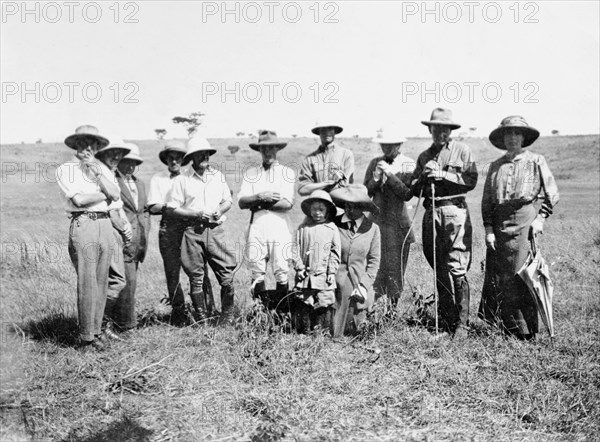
x=376, y=61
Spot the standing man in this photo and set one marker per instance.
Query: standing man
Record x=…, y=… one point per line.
x=388, y=182
x=327, y=168
x=200, y=197
x=109, y=157
x=86, y=194
x=449, y=167
x=133, y=195
x=170, y=234
x=268, y=192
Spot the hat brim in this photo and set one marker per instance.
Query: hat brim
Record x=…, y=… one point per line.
x=162, y=155
x=106, y=149
x=133, y=157
x=362, y=205
x=337, y=129
x=530, y=134
x=256, y=146
x=188, y=156
x=72, y=140
x=453, y=126
x=389, y=140
x=305, y=205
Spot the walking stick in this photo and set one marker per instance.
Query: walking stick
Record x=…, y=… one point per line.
x=435, y=291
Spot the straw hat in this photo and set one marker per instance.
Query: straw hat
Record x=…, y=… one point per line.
x=441, y=117
x=83, y=132
x=530, y=134
x=318, y=126
x=134, y=154
x=171, y=146
x=267, y=138
x=318, y=195
x=356, y=194
x=197, y=144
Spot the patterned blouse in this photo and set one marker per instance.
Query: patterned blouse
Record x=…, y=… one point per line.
x=518, y=181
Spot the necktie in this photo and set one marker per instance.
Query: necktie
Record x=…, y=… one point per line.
x=352, y=224
x=174, y=174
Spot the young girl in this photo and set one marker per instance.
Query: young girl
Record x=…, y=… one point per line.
x=316, y=262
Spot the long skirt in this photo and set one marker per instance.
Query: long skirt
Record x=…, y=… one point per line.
x=505, y=299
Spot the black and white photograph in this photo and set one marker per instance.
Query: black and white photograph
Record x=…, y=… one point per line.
x=299, y=221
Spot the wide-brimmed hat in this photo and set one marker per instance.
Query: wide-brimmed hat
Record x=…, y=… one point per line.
x=85, y=131
x=356, y=194
x=134, y=154
x=388, y=137
x=318, y=126
x=267, y=138
x=171, y=146
x=441, y=117
x=197, y=144
x=530, y=134
x=318, y=195
x=117, y=143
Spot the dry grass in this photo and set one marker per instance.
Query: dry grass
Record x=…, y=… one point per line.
x=255, y=382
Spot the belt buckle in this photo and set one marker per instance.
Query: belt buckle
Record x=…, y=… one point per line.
x=92, y=215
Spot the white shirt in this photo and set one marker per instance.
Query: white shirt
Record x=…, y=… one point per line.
x=194, y=192
x=160, y=187
x=277, y=178
x=73, y=180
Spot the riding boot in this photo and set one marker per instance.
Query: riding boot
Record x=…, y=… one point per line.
x=280, y=301
x=461, y=302
x=198, y=303
x=227, y=305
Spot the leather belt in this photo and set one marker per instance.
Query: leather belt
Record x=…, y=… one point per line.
x=458, y=202
x=91, y=215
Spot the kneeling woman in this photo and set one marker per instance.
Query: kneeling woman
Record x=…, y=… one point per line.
x=514, y=182
x=361, y=253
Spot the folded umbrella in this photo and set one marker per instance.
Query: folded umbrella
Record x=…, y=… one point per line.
x=536, y=275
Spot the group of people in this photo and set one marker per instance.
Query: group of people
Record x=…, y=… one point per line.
x=352, y=246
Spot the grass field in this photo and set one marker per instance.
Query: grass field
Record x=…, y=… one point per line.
x=252, y=383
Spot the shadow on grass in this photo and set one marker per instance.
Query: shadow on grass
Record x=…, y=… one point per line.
x=126, y=430
x=58, y=328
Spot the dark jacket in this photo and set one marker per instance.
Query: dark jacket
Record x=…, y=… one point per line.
x=138, y=218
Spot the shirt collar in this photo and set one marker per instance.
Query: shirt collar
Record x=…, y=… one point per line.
x=204, y=177
x=328, y=148
x=358, y=221
x=518, y=157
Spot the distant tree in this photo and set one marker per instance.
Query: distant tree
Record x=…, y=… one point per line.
x=191, y=122
x=160, y=133
x=555, y=132
x=38, y=141
x=355, y=136
x=233, y=149
x=472, y=131
x=240, y=134
x=294, y=135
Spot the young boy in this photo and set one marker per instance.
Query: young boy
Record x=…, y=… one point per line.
x=316, y=262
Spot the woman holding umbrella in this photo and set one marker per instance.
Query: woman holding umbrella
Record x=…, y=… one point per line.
x=514, y=183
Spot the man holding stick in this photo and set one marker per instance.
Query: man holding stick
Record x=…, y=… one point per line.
x=445, y=172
